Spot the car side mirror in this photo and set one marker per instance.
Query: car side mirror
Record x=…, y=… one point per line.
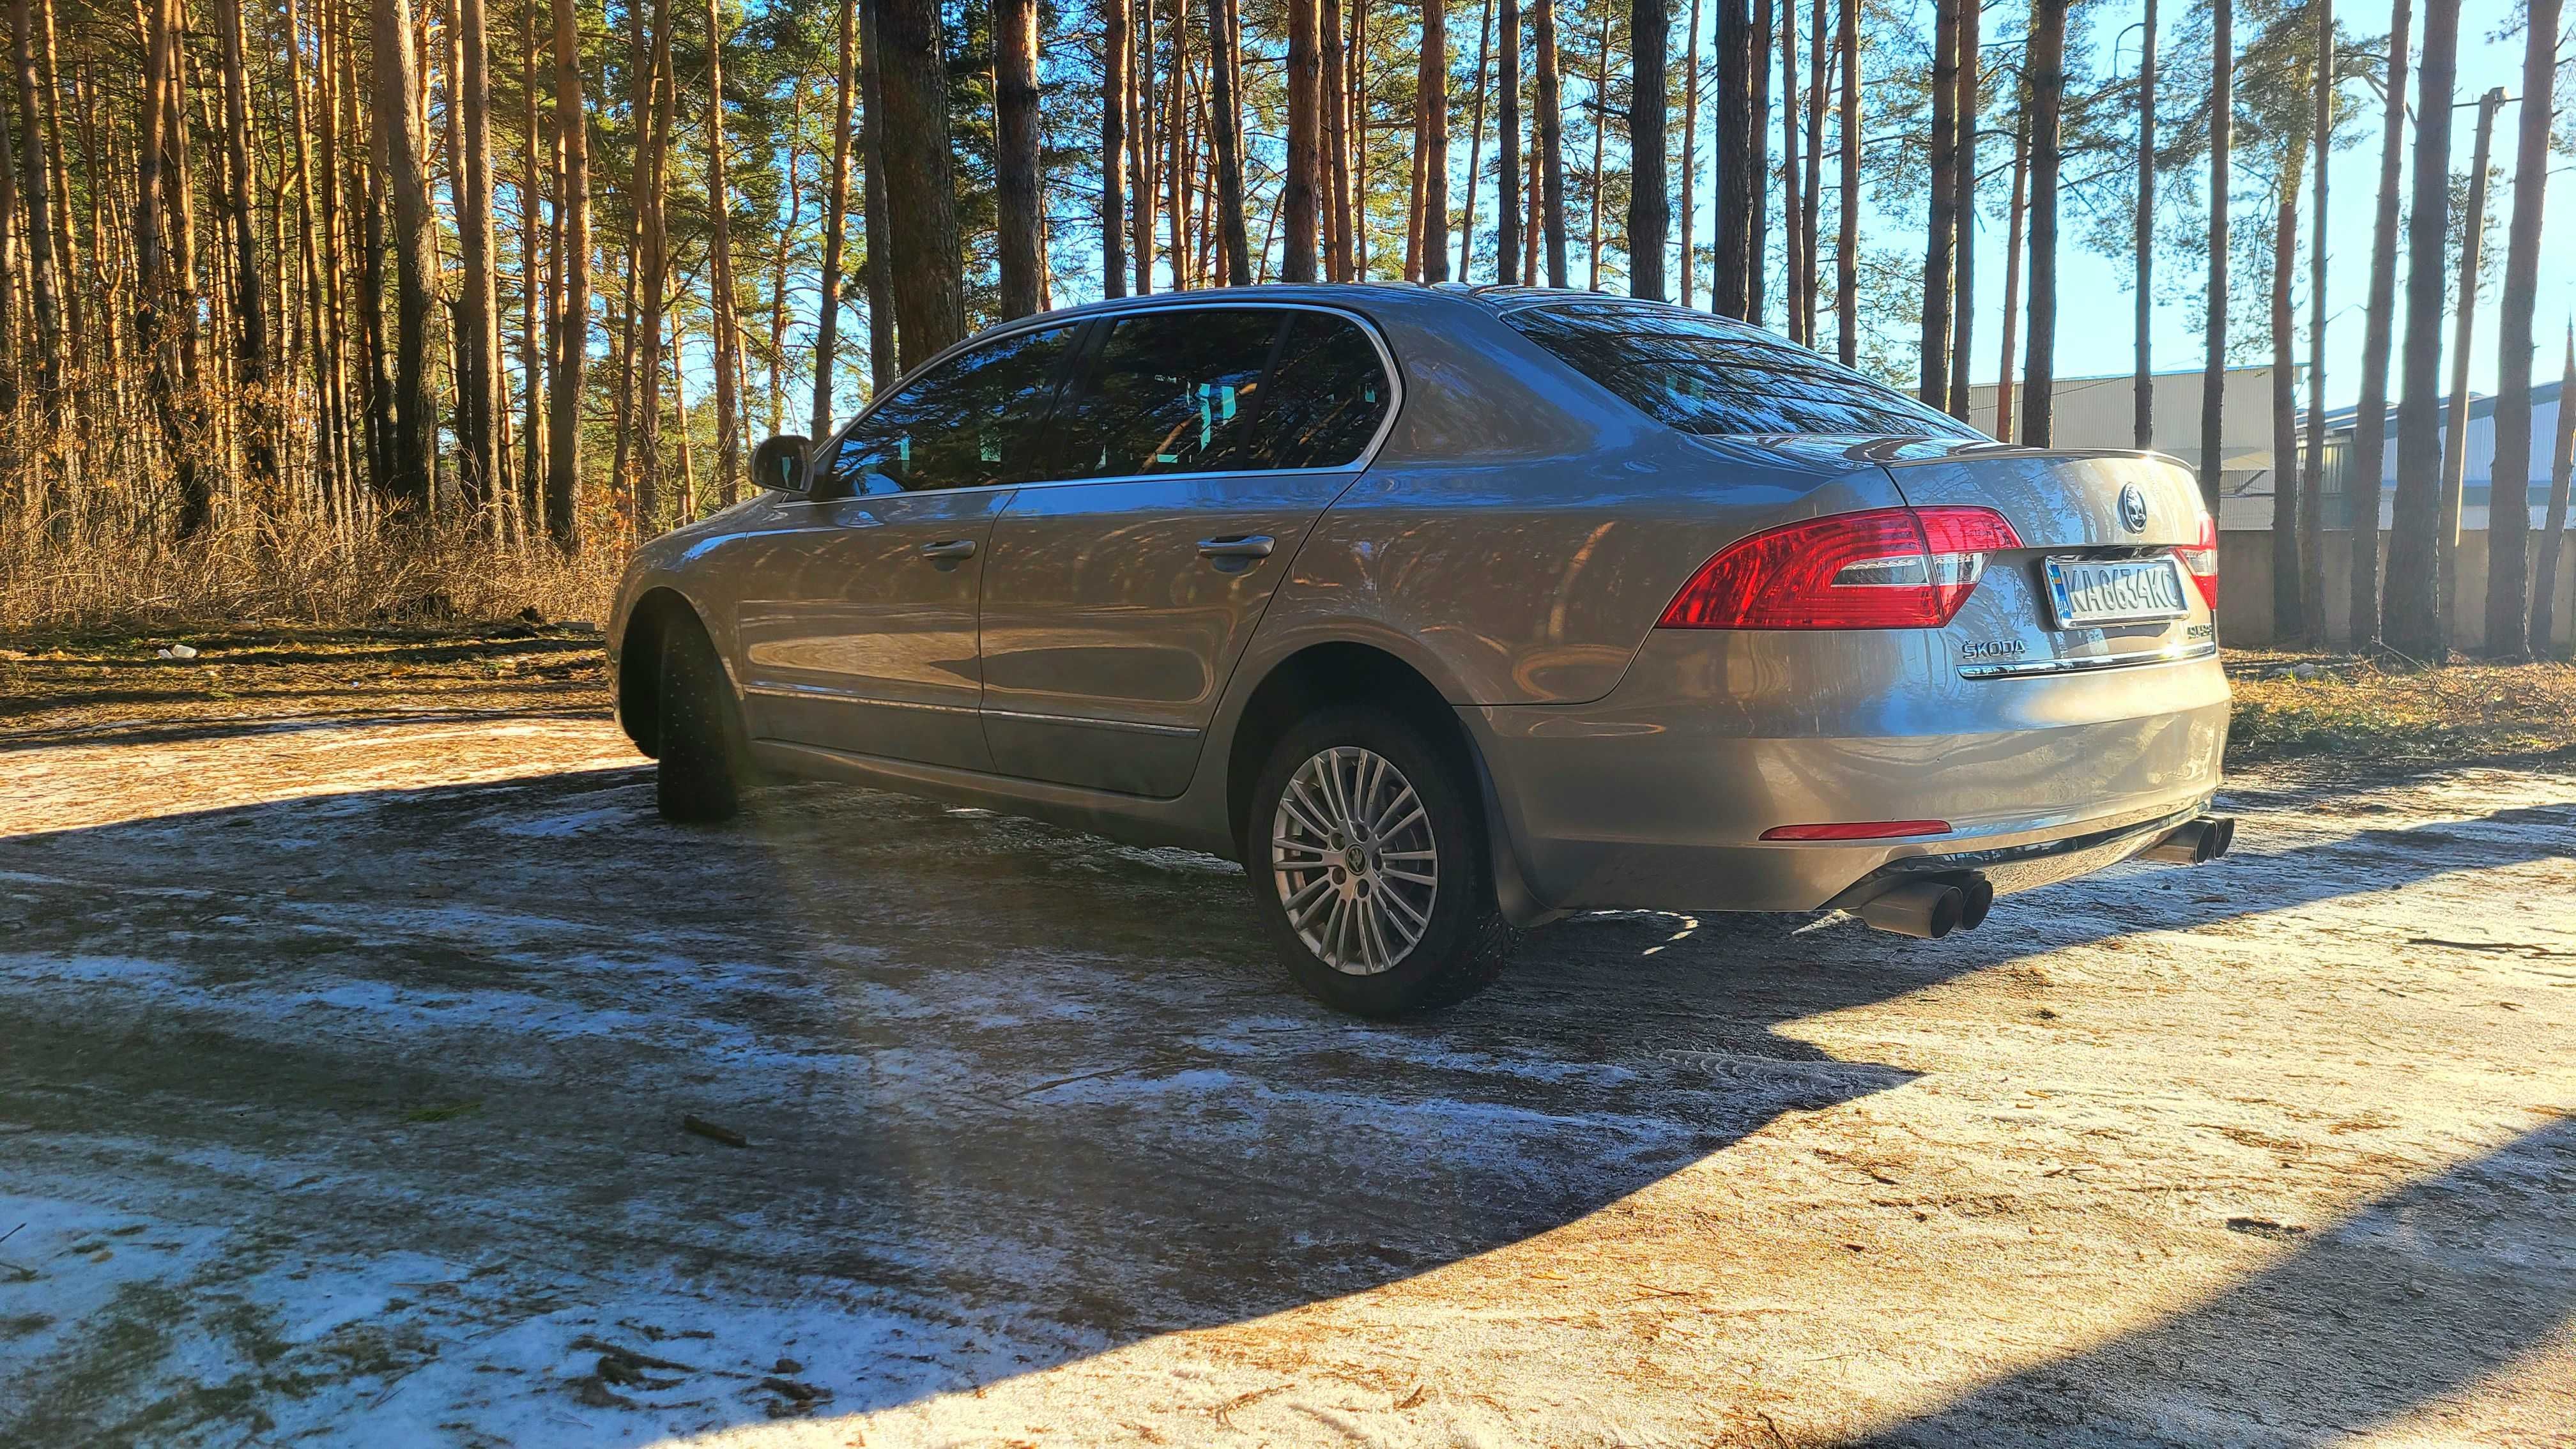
x=779, y=463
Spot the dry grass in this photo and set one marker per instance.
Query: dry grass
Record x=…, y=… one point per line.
x=2365, y=712
x=298, y=573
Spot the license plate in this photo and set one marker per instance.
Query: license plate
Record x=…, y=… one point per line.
x=2115, y=591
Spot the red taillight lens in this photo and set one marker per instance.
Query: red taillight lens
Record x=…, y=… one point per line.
x=2201, y=561
x=1885, y=568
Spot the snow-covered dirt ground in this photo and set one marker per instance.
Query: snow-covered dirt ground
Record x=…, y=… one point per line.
x=346, y=1062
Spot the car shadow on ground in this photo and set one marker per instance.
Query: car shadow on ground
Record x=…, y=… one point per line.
x=1011, y=1095
x=2420, y=1294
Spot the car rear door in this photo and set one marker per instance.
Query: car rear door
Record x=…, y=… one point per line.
x=1199, y=445
x=859, y=632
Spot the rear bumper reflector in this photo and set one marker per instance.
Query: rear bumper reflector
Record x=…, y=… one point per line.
x=1859, y=830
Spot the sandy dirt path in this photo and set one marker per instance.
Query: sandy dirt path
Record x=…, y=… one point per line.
x=346, y=1062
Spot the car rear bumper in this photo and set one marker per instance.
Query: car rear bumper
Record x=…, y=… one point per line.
x=1657, y=796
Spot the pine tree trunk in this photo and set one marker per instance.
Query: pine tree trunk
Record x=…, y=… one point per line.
x=2553, y=534
x=1792, y=243
x=1509, y=222
x=2455, y=427
x=884, y=362
x=1305, y=142
x=480, y=381
x=1432, y=98
x=1963, y=209
x=1225, y=118
x=2410, y=618
x=1600, y=141
x=1757, y=199
x=1337, y=134
x=1847, y=250
x=536, y=306
x=35, y=187
x=2142, y=430
x=2312, y=566
x=1650, y=179
x=2047, y=97
x=1811, y=199
x=411, y=460
x=2289, y=623
x=2213, y=377
x=1476, y=145
x=2509, y=498
x=653, y=271
x=1017, y=201
x=1941, y=231
x=1140, y=137
x=929, y=291
x=1117, y=44
x=2369, y=461
x=723, y=327
x=1732, y=139
x=836, y=222
x=2015, y=230
x=570, y=346
x=1551, y=140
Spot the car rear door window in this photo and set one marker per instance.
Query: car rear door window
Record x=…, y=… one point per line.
x=978, y=418
x=1172, y=391
x=1326, y=397
x=1711, y=376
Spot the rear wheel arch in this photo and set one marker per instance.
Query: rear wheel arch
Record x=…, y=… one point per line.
x=1320, y=675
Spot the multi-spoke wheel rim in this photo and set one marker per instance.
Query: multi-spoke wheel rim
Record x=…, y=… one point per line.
x=1354, y=859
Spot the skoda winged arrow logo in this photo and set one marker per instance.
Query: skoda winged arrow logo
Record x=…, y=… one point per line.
x=2133, y=509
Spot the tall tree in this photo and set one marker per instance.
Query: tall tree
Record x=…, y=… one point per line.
x=884, y=364
x=1507, y=170
x=2312, y=566
x=2553, y=534
x=478, y=381
x=836, y=212
x=2213, y=375
x=2290, y=623
x=1963, y=208
x=570, y=347
x=1811, y=198
x=2455, y=426
x=36, y=188
x=1223, y=115
x=1757, y=200
x=1649, y=210
x=929, y=286
x=1297, y=261
x=411, y=457
x=1117, y=41
x=2410, y=618
x=1551, y=139
x=2509, y=496
x=653, y=266
x=1018, y=207
x=1847, y=248
x=1941, y=222
x=2047, y=97
x=1431, y=139
x=1338, y=262
x=1791, y=244
x=2379, y=311
x=1475, y=143
x=724, y=328
x=2142, y=427
x=1731, y=139
x=2016, y=220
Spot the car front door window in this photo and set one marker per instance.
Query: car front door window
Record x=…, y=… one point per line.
x=978, y=419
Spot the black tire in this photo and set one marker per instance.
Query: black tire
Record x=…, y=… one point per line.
x=1465, y=941
x=705, y=757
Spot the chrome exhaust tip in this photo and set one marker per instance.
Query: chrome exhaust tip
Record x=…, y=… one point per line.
x=2195, y=842
x=1925, y=910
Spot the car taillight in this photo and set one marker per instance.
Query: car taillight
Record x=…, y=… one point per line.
x=1884, y=568
x=2201, y=561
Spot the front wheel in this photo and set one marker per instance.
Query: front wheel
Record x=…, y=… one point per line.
x=703, y=759
x=1370, y=868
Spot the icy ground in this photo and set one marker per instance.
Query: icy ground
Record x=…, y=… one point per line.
x=347, y=1068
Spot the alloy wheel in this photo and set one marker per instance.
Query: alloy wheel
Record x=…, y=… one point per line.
x=1354, y=859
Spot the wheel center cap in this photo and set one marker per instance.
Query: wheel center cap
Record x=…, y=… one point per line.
x=1355, y=858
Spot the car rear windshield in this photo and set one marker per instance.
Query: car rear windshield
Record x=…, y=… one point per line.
x=1710, y=376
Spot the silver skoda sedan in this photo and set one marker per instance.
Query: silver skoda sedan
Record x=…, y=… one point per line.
x=1449, y=612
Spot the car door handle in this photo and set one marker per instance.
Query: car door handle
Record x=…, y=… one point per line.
x=1238, y=546
x=949, y=548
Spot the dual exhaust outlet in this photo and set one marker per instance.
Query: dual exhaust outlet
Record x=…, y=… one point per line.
x=1932, y=908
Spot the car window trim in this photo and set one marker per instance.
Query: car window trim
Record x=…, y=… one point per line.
x=1093, y=325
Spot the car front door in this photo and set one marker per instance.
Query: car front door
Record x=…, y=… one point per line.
x=1198, y=445
x=864, y=639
